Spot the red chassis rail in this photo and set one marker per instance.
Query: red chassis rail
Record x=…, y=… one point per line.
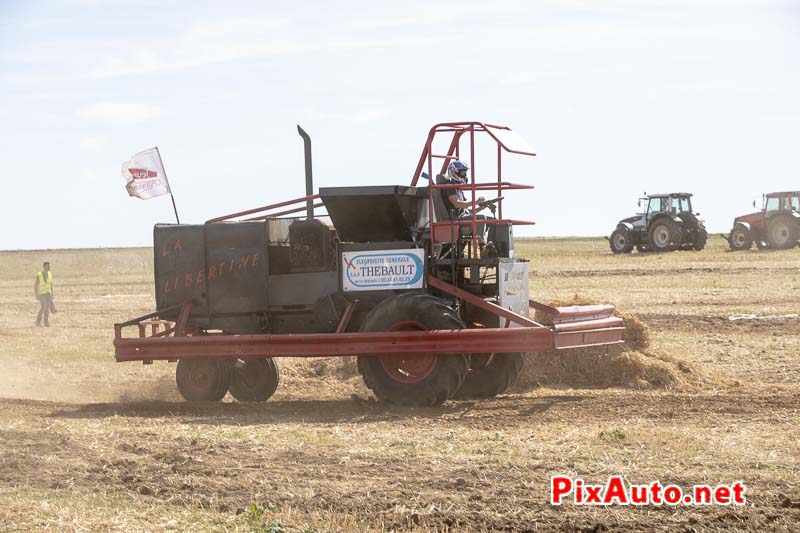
x=573, y=328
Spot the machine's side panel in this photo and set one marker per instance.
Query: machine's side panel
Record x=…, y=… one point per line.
x=236, y=267
x=178, y=260
x=295, y=290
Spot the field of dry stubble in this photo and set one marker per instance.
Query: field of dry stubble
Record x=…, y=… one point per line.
x=88, y=444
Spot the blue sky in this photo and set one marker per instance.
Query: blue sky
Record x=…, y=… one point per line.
x=617, y=98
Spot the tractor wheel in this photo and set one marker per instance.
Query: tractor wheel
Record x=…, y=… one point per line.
x=740, y=239
x=781, y=233
x=700, y=238
x=664, y=235
x=621, y=241
x=421, y=379
x=489, y=376
x=203, y=379
x=256, y=381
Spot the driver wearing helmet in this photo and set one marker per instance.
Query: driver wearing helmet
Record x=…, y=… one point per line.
x=457, y=202
x=457, y=173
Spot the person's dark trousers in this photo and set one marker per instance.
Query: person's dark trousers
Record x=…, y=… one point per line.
x=44, y=311
x=480, y=228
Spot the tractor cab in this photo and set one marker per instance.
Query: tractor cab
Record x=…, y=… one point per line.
x=674, y=203
x=781, y=201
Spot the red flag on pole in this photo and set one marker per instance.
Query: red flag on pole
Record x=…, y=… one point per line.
x=146, y=177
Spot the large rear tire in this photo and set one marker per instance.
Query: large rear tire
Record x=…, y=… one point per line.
x=700, y=238
x=490, y=376
x=256, y=381
x=418, y=380
x=781, y=233
x=203, y=379
x=664, y=235
x=621, y=241
x=740, y=239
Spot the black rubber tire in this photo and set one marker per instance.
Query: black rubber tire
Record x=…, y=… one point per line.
x=700, y=238
x=740, y=239
x=441, y=380
x=664, y=235
x=489, y=380
x=621, y=241
x=203, y=379
x=781, y=233
x=256, y=381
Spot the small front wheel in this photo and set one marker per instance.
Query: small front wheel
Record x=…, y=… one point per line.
x=621, y=241
x=255, y=381
x=740, y=239
x=203, y=379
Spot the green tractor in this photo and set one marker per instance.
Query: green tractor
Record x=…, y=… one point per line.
x=667, y=224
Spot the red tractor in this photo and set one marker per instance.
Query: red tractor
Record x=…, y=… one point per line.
x=777, y=225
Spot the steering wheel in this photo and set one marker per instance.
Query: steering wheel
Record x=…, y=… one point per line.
x=491, y=204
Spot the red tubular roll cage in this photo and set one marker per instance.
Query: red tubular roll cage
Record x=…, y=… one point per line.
x=441, y=230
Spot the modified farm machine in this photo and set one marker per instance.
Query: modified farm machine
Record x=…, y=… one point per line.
x=389, y=274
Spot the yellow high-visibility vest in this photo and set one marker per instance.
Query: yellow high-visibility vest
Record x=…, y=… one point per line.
x=45, y=286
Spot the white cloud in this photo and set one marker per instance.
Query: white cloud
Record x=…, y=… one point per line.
x=118, y=113
x=368, y=115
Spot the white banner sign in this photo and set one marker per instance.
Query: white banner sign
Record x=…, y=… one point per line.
x=145, y=175
x=383, y=270
x=513, y=285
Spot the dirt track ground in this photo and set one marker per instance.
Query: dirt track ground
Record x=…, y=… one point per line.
x=89, y=444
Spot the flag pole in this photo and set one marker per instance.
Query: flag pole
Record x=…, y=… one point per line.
x=174, y=208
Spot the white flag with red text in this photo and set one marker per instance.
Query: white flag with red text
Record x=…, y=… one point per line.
x=145, y=175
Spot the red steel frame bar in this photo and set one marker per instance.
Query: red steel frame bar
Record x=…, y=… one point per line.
x=287, y=212
x=489, y=340
x=346, y=316
x=265, y=208
x=483, y=304
x=473, y=211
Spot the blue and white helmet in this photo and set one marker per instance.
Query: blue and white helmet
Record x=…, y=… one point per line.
x=457, y=171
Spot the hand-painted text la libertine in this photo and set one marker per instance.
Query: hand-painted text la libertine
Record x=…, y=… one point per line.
x=186, y=280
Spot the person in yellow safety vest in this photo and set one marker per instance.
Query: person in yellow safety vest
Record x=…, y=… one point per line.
x=43, y=289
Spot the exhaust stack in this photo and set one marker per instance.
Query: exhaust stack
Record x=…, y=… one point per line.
x=309, y=174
